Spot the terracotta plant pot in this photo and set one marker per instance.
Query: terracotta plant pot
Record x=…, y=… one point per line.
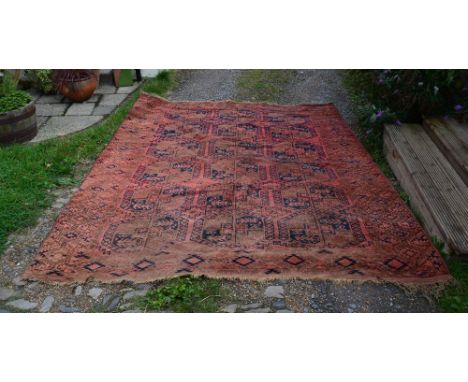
x=18, y=125
x=78, y=90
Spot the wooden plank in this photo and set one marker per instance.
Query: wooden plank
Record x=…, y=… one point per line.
x=452, y=139
x=437, y=191
x=404, y=177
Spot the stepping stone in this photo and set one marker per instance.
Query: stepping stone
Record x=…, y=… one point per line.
x=436, y=190
x=22, y=304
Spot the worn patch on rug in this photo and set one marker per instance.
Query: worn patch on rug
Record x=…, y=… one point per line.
x=235, y=190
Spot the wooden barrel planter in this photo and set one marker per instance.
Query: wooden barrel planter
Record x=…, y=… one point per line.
x=18, y=125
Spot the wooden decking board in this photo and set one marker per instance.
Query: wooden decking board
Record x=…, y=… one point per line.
x=452, y=139
x=436, y=190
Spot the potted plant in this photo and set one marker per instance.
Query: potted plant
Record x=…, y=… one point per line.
x=17, y=111
x=76, y=84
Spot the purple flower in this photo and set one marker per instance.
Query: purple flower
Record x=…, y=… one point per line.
x=379, y=114
x=398, y=122
x=458, y=107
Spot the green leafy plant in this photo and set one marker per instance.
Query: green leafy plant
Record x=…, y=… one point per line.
x=41, y=79
x=159, y=84
x=408, y=95
x=13, y=101
x=184, y=294
x=10, y=98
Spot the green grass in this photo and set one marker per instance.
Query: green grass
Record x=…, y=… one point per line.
x=160, y=84
x=262, y=85
x=29, y=173
x=184, y=295
x=455, y=297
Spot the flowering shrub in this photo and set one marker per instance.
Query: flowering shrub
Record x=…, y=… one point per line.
x=408, y=95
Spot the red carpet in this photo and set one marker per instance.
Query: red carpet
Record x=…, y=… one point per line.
x=228, y=189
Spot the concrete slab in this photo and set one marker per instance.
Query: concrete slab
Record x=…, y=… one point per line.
x=80, y=109
x=94, y=98
x=128, y=89
x=64, y=125
x=52, y=98
x=112, y=99
x=103, y=110
x=50, y=109
x=41, y=121
x=105, y=89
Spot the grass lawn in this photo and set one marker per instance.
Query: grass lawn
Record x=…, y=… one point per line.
x=29, y=173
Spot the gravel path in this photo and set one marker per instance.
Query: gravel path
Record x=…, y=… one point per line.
x=205, y=85
x=308, y=86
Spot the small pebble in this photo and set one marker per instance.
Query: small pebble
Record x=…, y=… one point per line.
x=259, y=310
x=68, y=309
x=77, y=291
x=114, y=304
x=279, y=304
x=251, y=306
x=94, y=293
x=19, y=281
x=7, y=293
x=230, y=308
x=135, y=293
x=22, y=304
x=47, y=304
x=276, y=291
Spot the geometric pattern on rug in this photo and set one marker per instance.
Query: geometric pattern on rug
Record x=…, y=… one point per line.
x=235, y=190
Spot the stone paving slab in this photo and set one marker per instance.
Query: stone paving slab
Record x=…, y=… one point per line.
x=58, y=116
x=64, y=125
x=106, y=89
x=80, y=109
x=54, y=98
x=40, y=121
x=128, y=89
x=103, y=110
x=112, y=99
x=51, y=109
